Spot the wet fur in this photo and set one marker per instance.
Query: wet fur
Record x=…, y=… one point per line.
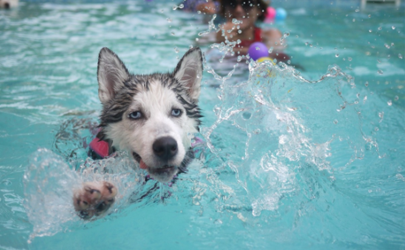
x=158, y=98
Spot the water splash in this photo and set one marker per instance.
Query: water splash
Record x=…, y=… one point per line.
x=282, y=138
x=49, y=183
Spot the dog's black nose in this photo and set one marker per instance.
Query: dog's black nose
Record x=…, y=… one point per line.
x=165, y=148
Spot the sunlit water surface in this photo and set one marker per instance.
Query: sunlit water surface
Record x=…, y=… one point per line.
x=311, y=157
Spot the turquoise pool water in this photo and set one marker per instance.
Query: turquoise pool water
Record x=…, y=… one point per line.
x=308, y=158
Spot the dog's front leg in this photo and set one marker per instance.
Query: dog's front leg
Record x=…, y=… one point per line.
x=94, y=198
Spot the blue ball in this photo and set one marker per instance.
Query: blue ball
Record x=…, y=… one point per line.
x=281, y=14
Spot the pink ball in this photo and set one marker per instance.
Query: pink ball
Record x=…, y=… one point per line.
x=271, y=13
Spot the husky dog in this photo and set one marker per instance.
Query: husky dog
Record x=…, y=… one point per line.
x=153, y=117
x=7, y=4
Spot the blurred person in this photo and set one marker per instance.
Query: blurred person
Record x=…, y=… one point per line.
x=247, y=13
x=204, y=6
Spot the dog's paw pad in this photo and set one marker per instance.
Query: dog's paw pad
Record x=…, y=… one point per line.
x=94, y=198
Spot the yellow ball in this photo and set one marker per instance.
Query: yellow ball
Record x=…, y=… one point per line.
x=262, y=59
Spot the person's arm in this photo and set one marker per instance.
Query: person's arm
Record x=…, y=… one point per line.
x=272, y=38
x=208, y=8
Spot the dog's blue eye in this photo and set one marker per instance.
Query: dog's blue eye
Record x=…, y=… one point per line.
x=135, y=115
x=176, y=112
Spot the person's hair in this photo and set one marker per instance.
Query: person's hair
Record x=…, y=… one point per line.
x=260, y=4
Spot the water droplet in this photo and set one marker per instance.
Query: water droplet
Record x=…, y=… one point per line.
x=380, y=72
x=246, y=115
x=400, y=177
x=349, y=59
x=393, y=27
x=197, y=39
x=400, y=56
x=379, y=28
x=240, y=31
x=396, y=98
x=270, y=50
x=370, y=31
x=354, y=20
x=306, y=43
x=337, y=55
x=176, y=50
x=387, y=46
x=236, y=21
x=357, y=10
x=366, y=84
x=335, y=121
x=172, y=33
x=389, y=102
x=381, y=115
x=169, y=20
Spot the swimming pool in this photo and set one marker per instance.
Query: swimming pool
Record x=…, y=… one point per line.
x=310, y=160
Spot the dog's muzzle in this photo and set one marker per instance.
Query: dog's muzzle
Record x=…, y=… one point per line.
x=165, y=148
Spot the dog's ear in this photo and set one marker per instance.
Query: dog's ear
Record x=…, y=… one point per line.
x=189, y=72
x=111, y=74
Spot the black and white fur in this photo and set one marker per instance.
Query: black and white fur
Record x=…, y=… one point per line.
x=153, y=117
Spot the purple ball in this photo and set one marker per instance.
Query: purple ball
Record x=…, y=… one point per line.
x=258, y=50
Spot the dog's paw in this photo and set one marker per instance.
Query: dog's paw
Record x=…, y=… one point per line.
x=94, y=198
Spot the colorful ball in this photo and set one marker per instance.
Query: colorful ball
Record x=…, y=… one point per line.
x=281, y=14
x=258, y=50
x=262, y=59
x=271, y=13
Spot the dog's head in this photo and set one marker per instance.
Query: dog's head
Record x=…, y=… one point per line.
x=152, y=116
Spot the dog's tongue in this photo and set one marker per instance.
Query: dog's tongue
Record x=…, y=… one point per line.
x=143, y=165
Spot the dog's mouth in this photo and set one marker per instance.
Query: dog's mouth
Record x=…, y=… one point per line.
x=163, y=174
